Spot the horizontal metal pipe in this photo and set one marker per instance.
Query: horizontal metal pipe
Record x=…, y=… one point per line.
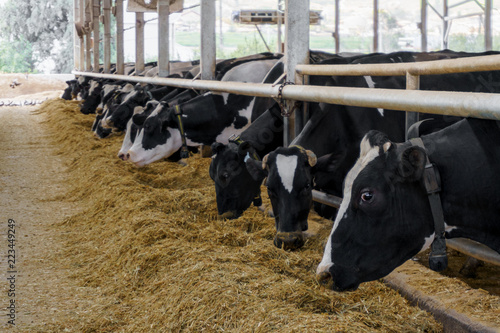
x=478, y=105
x=326, y=199
x=474, y=249
x=445, y=66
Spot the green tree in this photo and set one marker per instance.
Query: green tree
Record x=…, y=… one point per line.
x=43, y=28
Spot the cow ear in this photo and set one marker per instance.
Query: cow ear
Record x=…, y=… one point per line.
x=246, y=148
x=256, y=170
x=139, y=119
x=412, y=163
x=217, y=147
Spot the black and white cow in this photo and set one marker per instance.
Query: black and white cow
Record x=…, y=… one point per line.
x=133, y=128
x=117, y=117
x=206, y=119
x=337, y=132
x=385, y=216
x=228, y=170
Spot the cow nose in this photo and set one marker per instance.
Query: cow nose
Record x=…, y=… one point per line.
x=228, y=215
x=325, y=279
x=289, y=240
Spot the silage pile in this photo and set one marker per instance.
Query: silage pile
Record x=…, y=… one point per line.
x=156, y=258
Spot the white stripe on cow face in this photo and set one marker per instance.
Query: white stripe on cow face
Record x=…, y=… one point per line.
x=93, y=86
x=371, y=84
x=367, y=154
x=286, y=166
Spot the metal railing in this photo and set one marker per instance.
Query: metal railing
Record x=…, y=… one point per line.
x=463, y=104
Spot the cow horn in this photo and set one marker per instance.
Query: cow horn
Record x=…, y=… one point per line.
x=264, y=162
x=311, y=157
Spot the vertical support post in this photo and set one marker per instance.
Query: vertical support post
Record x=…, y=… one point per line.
x=207, y=40
x=444, y=44
x=106, y=9
x=488, y=44
x=95, y=32
x=296, y=52
x=336, y=34
x=88, y=39
x=423, y=25
x=139, y=43
x=163, y=7
x=120, y=62
x=278, y=13
x=412, y=83
x=375, y=25
x=81, y=15
x=221, y=36
x=76, y=41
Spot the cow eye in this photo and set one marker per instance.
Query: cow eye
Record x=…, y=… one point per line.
x=367, y=196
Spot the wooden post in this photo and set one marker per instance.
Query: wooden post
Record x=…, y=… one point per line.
x=208, y=47
x=296, y=52
x=120, y=62
x=423, y=25
x=163, y=7
x=106, y=9
x=95, y=32
x=139, y=43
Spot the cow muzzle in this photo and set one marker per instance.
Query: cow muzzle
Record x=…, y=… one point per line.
x=289, y=240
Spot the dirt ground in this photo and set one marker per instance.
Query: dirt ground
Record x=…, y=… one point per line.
x=33, y=181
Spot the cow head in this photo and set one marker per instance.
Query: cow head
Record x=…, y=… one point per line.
x=235, y=188
x=140, y=114
x=159, y=137
x=384, y=218
x=93, y=98
x=289, y=185
x=121, y=114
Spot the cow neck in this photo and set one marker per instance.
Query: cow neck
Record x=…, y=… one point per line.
x=257, y=200
x=184, y=148
x=438, y=260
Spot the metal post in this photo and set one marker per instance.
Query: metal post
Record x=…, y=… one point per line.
x=278, y=13
x=76, y=42
x=423, y=26
x=163, y=7
x=88, y=39
x=488, y=44
x=375, y=25
x=221, y=37
x=336, y=34
x=81, y=15
x=95, y=32
x=412, y=83
x=106, y=8
x=444, y=43
x=296, y=52
x=207, y=40
x=139, y=43
x=120, y=62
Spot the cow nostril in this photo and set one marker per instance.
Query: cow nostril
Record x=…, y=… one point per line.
x=324, y=278
x=127, y=156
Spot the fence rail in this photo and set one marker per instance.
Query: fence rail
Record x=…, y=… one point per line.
x=478, y=105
